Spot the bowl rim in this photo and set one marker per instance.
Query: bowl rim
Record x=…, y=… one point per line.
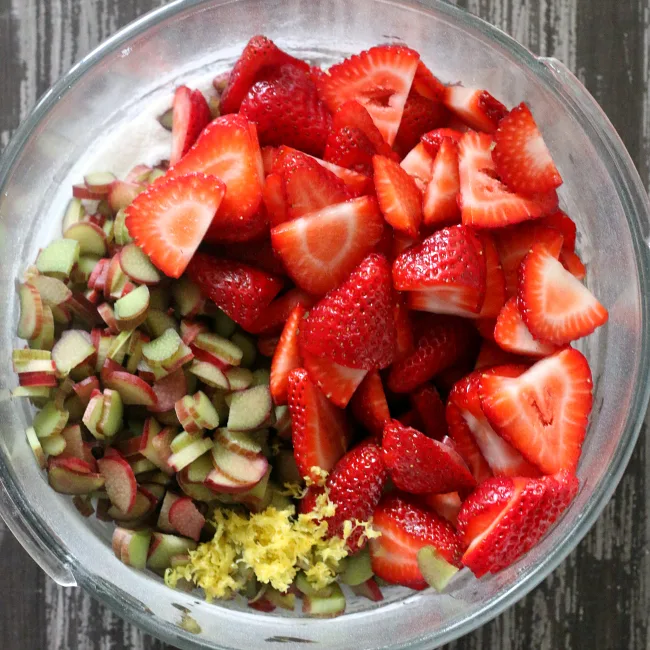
x=558, y=80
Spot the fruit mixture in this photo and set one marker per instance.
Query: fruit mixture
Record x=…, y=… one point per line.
x=328, y=342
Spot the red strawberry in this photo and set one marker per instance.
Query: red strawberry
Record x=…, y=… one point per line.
x=275, y=200
x=505, y=517
x=419, y=165
x=403, y=330
x=170, y=218
x=562, y=222
x=554, y=304
x=354, y=487
x=354, y=325
x=440, y=203
x=428, y=85
x=379, y=78
x=433, y=139
x=485, y=327
x=369, y=406
x=429, y=406
x=405, y=528
x=357, y=184
x=491, y=355
x=320, y=432
x=475, y=107
x=399, y=198
x=543, y=413
x=287, y=110
x=259, y=56
x=484, y=200
x=513, y=336
x=445, y=274
x=439, y=342
x=521, y=156
x=273, y=318
x=266, y=345
x=503, y=459
x=241, y=291
x=350, y=148
x=420, y=116
x=573, y=264
x=269, y=154
x=421, y=465
x=446, y=505
x=337, y=382
x=286, y=356
x=191, y=114
x=259, y=254
x=321, y=249
x=228, y=149
x=495, y=283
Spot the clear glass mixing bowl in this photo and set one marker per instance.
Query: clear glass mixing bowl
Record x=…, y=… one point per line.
x=602, y=192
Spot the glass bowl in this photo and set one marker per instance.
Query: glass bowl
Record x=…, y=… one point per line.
x=142, y=64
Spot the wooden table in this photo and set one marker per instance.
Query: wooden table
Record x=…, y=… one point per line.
x=600, y=597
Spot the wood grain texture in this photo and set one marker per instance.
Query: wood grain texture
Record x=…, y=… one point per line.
x=600, y=597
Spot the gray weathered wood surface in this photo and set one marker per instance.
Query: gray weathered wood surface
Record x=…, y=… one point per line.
x=600, y=597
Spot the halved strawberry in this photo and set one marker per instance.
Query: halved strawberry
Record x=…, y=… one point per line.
x=357, y=184
x=429, y=406
x=241, y=291
x=495, y=282
x=350, y=148
x=170, y=218
x=320, y=431
x=554, y=304
x=521, y=155
x=562, y=222
x=273, y=318
x=405, y=528
x=513, y=336
x=433, y=139
x=445, y=274
x=259, y=56
x=399, y=198
x=269, y=154
x=491, y=355
x=337, y=382
x=320, y=250
x=418, y=164
x=484, y=200
x=505, y=517
x=369, y=406
x=439, y=342
x=259, y=254
x=425, y=83
x=379, y=78
x=190, y=115
x=446, y=505
x=355, y=115
x=353, y=325
x=420, y=115
x=573, y=264
x=228, y=149
x=544, y=412
x=475, y=107
x=403, y=329
x=440, y=202
x=286, y=356
x=275, y=200
x=422, y=465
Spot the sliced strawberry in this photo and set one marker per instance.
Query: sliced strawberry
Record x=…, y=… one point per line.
x=554, y=304
x=357, y=184
x=286, y=356
x=447, y=271
x=266, y=345
x=259, y=254
x=505, y=517
x=543, y=413
x=353, y=325
x=191, y=114
x=513, y=336
x=405, y=528
x=439, y=342
x=259, y=55
x=354, y=487
x=379, y=78
x=228, y=149
x=521, y=156
x=404, y=344
x=241, y=291
x=475, y=107
x=275, y=199
x=337, y=382
x=269, y=154
x=273, y=318
x=485, y=327
x=433, y=139
x=418, y=164
x=350, y=148
x=446, y=505
x=562, y=222
x=420, y=116
x=399, y=198
x=440, y=202
x=425, y=83
x=491, y=355
x=495, y=282
x=421, y=465
x=287, y=110
x=369, y=406
x=430, y=408
x=320, y=431
x=484, y=200
x=573, y=264
x=320, y=250
x=170, y=218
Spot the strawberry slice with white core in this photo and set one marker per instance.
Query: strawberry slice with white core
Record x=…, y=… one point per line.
x=511, y=333
x=320, y=249
x=475, y=107
x=191, y=114
x=484, y=200
x=170, y=218
x=495, y=282
x=544, y=412
x=521, y=155
x=379, y=79
x=554, y=304
x=440, y=205
x=286, y=356
x=418, y=163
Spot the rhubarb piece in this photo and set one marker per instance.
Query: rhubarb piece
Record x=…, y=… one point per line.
x=132, y=389
x=250, y=409
x=113, y=409
x=238, y=378
x=162, y=349
x=31, y=312
x=53, y=292
x=58, y=257
x=132, y=546
x=187, y=298
x=50, y=420
x=71, y=350
x=137, y=265
x=158, y=322
x=131, y=310
x=325, y=606
x=356, y=569
x=163, y=518
x=434, y=568
x=209, y=374
x=120, y=483
x=185, y=517
x=73, y=476
x=239, y=442
x=90, y=237
x=99, y=182
x=189, y=454
x=36, y=447
x=224, y=350
x=247, y=345
x=164, y=547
